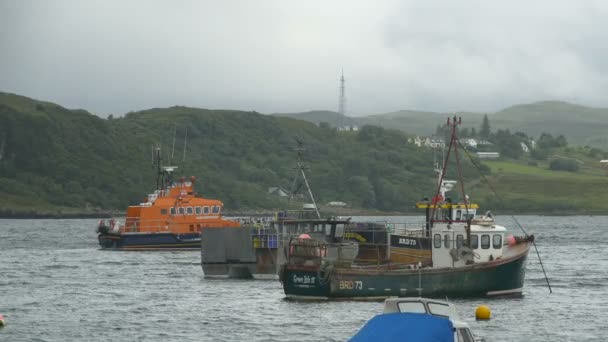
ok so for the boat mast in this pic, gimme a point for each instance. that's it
(300, 171)
(452, 124)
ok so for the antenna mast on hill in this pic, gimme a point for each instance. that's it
(341, 103)
(300, 171)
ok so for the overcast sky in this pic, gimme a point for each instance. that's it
(286, 56)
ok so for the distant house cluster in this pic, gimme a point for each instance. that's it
(347, 128)
(472, 143)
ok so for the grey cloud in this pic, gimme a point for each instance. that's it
(284, 56)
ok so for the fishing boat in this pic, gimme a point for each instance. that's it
(172, 217)
(416, 319)
(257, 250)
(460, 254)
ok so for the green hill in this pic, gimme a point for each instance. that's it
(583, 126)
(57, 160)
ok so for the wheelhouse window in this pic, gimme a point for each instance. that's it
(414, 307)
(172, 211)
(497, 241)
(446, 241)
(163, 211)
(459, 240)
(180, 210)
(458, 215)
(437, 241)
(205, 210)
(485, 241)
(339, 230)
(189, 211)
(198, 210)
(439, 309)
(216, 209)
(474, 241)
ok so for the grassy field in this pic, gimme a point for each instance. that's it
(527, 188)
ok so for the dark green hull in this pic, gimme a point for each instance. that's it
(499, 277)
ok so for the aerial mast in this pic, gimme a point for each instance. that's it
(341, 103)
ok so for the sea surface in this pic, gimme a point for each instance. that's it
(57, 285)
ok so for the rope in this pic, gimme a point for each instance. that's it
(512, 216)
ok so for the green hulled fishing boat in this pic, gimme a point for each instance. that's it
(456, 253)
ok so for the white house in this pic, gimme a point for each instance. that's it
(336, 204)
(524, 147)
(469, 142)
(487, 155)
(277, 191)
(433, 142)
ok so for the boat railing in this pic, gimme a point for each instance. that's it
(347, 253)
(132, 225)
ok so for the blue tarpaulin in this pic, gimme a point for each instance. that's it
(406, 327)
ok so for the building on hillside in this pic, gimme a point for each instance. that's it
(524, 147)
(337, 204)
(278, 191)
(483, 142)
(416, 141)
(487, 155)
(352, 128)
(433, 142)
(470, 142)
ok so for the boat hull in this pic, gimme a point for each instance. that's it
(499, 277)
(150, 241)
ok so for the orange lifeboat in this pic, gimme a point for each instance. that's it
(171, 217)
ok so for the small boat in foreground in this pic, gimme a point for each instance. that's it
(460, 254)
(416, 319)
(170, 218)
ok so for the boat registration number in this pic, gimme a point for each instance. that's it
(407, 242)
(351, 285)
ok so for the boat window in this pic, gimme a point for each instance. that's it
(216, 209)
(163, 211)
(197, 210)
(413, 307)
(205, 210)
(464, 335)
(189, 210)
(446, 241)
(485, 241)
(497, 241)
(459, 240)
(439, 309)
(437, 240)
(458, 215)
(339, 230)
(180, 210)
(474, 242)
(172, 211)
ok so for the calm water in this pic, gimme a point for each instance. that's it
(56, 285)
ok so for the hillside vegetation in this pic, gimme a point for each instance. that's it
(60, 161)
(582, 126)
